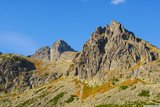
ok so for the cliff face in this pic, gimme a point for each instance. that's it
(113, 48)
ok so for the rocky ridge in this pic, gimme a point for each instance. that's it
(42, 54)
(55, 52)
(114, 67)
(58, 48)
(113, 48)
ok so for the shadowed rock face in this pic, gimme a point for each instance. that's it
(42, 54)
(12, 67)
(58, 48)
(113, 48)
(0, 53)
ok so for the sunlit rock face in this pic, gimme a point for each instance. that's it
(113, 48)
(58, 48)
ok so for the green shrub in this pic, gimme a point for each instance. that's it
(26, 103)
(71, 99)
(114, 81)
(54, 101)
(144, 93)
(109, 97)
(123, 87)
(43, 94)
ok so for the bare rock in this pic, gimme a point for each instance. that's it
(42, 54)
(58, 48)
(69, 55)
(12, 67)
(113, 48)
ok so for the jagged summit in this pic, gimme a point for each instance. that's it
(54, 53)
(58, 48)
(59, 42)
(114, 27)
(113, 48)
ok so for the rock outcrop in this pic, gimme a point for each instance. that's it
(14, 70)
(113, 48)
(0, 53)
(58, 48)
(42, 54)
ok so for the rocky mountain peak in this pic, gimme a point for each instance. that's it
(58, 48)
(55, 52)
(116, 27)
(113, 48)
(60, 42)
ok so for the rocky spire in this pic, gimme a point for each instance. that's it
(116, 27)
(58, 48)
(113, 48)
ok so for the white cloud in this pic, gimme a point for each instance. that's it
(116, 2)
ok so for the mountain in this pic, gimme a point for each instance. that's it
(115, 68)
(115, 49)
(59, 49)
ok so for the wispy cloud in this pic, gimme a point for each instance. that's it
(116, 2)
(17, 43)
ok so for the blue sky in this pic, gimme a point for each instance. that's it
(26, 25)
